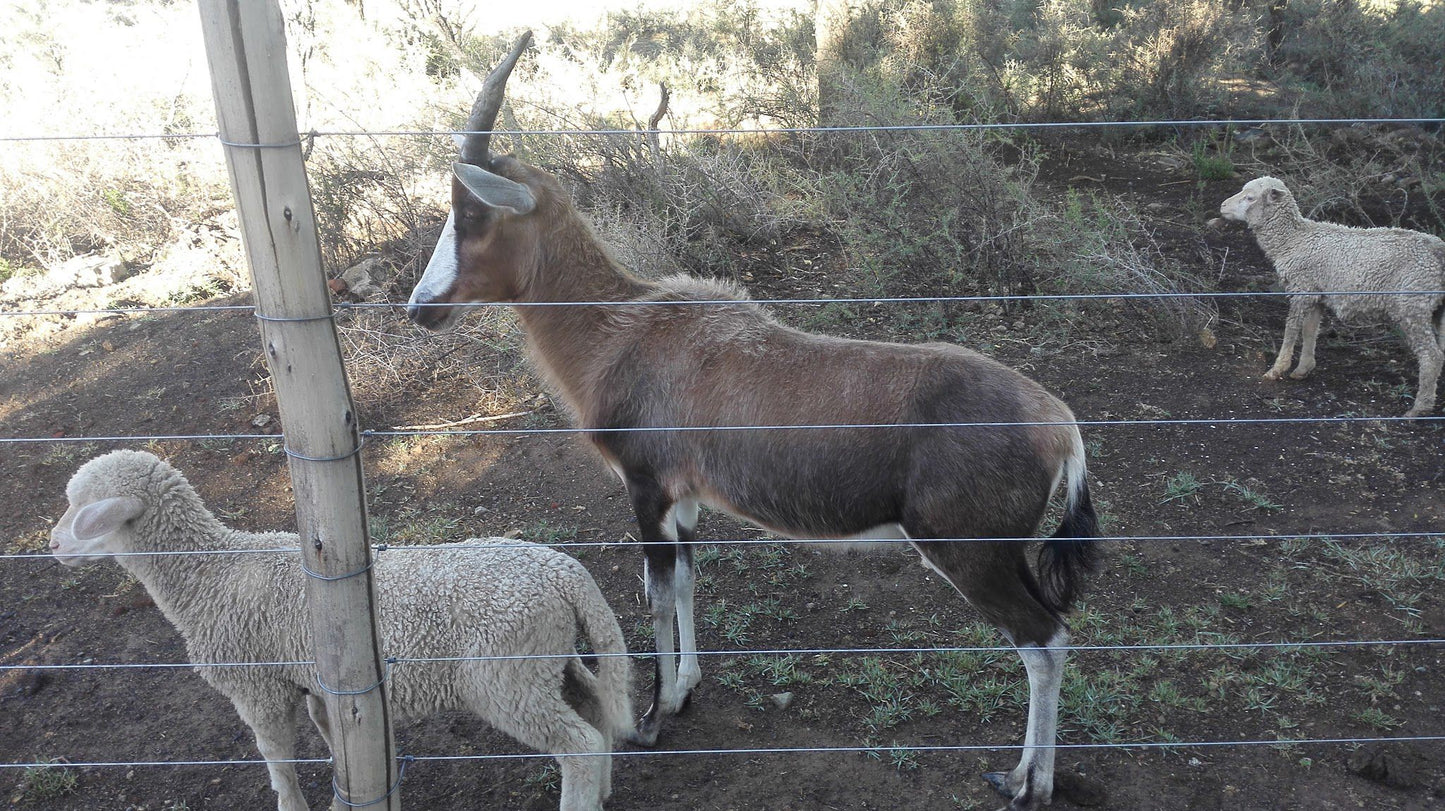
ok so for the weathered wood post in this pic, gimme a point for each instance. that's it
(246, 48)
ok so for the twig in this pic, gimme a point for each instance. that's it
(475, 418)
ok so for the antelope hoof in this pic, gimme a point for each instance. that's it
(646, 733)
(999, 781)
(1026, 800)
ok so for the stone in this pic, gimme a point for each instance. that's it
(89, 270)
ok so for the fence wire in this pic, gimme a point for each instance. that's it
(502, 543)
(1287, 647)
(1079, 649)
(781, 750)
(388, 305)
(861, 128)
(370, 434)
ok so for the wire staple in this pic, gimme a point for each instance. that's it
(400, 775)
(303, 457)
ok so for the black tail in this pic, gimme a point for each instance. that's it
(1071, 552)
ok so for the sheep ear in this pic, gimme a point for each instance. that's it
(104, 517)
(1275, 195)
(495, 190)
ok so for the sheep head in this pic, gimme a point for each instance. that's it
(1255, 200)
(106, 496)
(498, 205)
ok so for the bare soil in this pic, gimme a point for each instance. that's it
(201, 373)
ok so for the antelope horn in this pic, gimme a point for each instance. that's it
(476, 146)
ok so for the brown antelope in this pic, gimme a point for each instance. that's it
(630, 365)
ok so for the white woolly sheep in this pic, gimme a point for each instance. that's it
(1318, 257)
(487, 598)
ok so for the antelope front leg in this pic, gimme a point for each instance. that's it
(689, 673)
(1292, 323)
(660, 564)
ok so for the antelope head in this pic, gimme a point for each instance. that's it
(490, 237)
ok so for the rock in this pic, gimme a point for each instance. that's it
(1079, 790)
(90, 270)
(781, 700)
(1396, 768)
(337, 286)
(261, 420)
(364, 278)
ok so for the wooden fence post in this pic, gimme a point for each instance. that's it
(246, 49)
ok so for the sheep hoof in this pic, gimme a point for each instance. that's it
(1298, 375)
(1272, 375)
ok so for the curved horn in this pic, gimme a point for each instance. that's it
(476, 147)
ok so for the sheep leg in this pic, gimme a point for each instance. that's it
(659, 574)
(1297, 307)
(689, 673)
(316, 708)
(538, 715)
(1311, 330)
(1430, 355)
(275, 731)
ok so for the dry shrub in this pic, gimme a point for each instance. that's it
(958, 213)
(1171, 52)
(374, 192)
(1364, 175)
(386, 354)
(1347, 58)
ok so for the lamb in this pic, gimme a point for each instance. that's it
(1317, 257)
(479, 598)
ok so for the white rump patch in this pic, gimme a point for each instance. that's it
(875, 539)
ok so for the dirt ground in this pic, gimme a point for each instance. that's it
(200, 373)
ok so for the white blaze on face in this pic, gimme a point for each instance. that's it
(441, 271)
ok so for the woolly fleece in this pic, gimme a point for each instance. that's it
(479, 598)
(1315, 257)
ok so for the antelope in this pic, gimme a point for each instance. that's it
(939, 447)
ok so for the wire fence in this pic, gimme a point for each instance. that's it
(1206, 643)
(1292, 646)
(789, 750)
(773, 541)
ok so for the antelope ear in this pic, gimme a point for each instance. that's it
(104, 517)
(495, 190)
